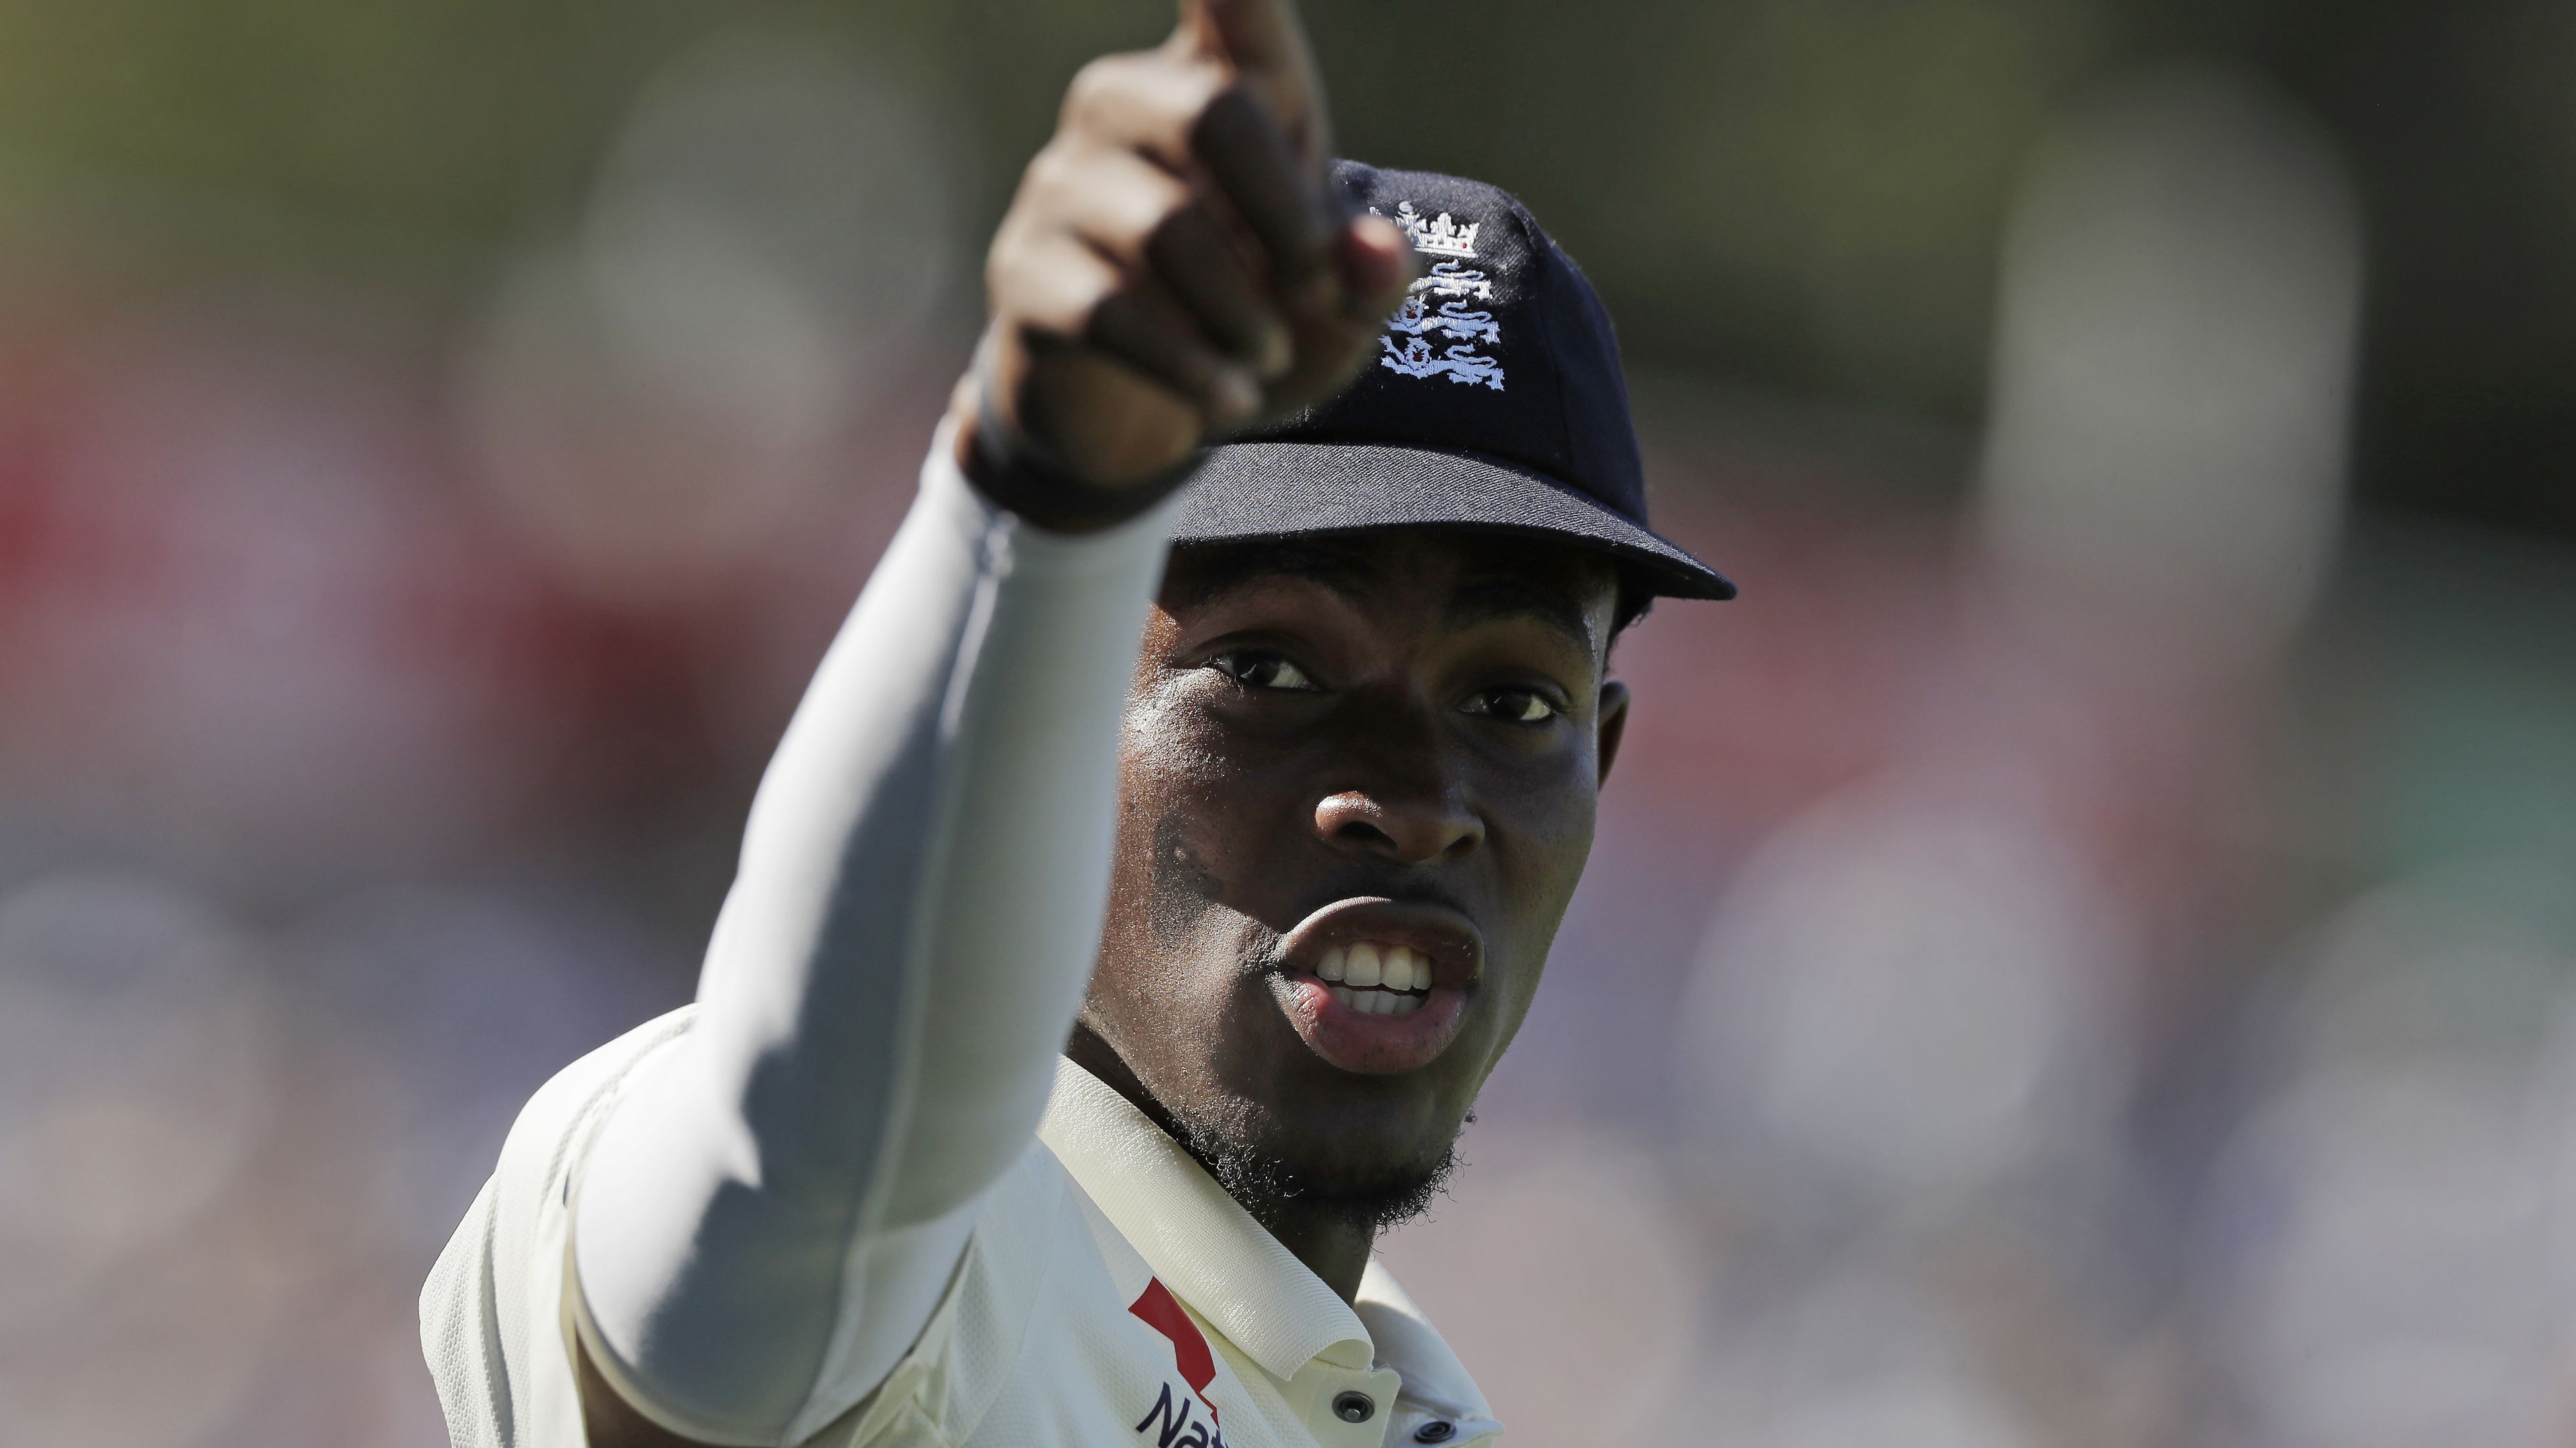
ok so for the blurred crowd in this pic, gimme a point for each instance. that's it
(2082, 953)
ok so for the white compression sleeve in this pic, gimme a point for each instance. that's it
(773, 1209)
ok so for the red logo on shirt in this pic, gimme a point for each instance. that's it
(1163, 1313)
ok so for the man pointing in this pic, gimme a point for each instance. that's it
(1152, 873)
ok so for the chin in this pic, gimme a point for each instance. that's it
(1288, 1175)
(1356, 1151)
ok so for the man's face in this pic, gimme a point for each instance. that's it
(1383, 744)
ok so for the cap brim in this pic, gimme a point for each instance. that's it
(1247, 490)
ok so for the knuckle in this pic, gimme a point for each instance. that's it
(1163, 204)
(1049, 291)
(1006, 281)
(1053, 172)
(1096, 88)
(1129, 209)
(1091, 293)
(1004, 261)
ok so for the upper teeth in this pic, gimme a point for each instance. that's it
(1369, 963)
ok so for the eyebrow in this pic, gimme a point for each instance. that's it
(1482, 598)
(1495, 596)
(1254, 564)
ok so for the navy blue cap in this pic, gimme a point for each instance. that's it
(1495, 400)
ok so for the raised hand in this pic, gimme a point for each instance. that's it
(1175, 265)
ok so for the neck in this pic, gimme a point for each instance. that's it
(1333, 1245)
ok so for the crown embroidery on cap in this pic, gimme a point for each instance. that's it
(1453, 285)
(1441, 237)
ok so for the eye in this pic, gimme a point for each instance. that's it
(1513, 706)
(1262, 669)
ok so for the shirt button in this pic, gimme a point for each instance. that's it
(1354, 1407)
(1438, 1430)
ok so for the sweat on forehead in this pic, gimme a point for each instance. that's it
(1497, 571)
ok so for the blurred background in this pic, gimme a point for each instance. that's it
(2083, 952)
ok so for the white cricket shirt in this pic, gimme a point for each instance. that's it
(1111, 1294)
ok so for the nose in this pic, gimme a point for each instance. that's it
(1410, 827)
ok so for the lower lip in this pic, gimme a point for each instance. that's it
(1366, 1044)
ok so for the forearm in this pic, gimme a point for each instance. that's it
(777, 1203)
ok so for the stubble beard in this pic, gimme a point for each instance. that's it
(1289, 1200)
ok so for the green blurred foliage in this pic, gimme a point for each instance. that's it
(1791, 194)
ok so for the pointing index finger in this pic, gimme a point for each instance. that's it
(1253, 36)
(1264, 139)
(1263, 44)
(1279, 198)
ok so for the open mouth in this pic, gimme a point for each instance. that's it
(1376, 978)
(1380, 986)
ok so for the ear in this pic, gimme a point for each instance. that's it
(1613, 717)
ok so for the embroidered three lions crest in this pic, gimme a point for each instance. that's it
(1436, 332)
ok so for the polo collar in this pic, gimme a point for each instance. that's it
(1201, 1242)
(1435, 1382)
